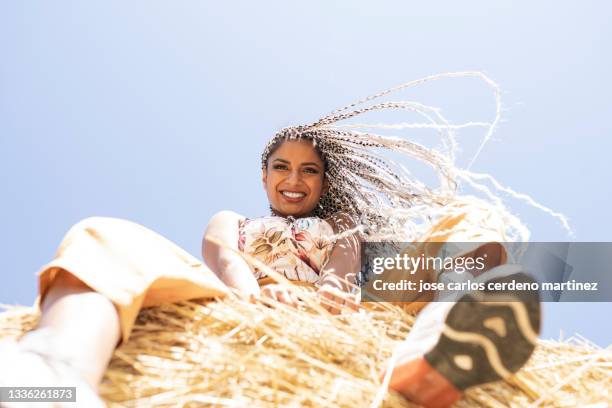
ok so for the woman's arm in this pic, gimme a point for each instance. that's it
(339, 274)
(345, 259)
(228, 265)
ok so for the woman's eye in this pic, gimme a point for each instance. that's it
(311, 170)
(279, 167)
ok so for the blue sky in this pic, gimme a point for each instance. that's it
(157, 111)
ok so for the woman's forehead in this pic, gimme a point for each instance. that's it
(297, 151)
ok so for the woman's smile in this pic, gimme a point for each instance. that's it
(293, 196)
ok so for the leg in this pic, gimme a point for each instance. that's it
(484, 336)
(71, 346)
(104, 272)
(87, 342)
(127, 266)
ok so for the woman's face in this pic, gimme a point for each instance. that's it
(294, 179)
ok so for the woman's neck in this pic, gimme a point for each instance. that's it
(277, 214)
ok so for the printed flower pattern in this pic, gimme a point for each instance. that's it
(298, 249)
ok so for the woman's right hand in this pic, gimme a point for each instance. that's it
(280, 294)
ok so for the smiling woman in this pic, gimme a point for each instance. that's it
(294, 178)
(329, 187)
(295, 241)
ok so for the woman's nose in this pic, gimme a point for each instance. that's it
(294, 177)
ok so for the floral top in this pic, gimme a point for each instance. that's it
(297, 248)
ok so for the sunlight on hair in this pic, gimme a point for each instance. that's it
(386, 201)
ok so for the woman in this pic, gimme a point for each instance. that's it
(293, 241)
(111, 268)
(327, 190)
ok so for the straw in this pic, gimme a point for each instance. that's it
(235, 353)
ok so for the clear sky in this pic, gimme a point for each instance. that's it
(157, 111)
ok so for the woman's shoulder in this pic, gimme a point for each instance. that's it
(225, 217)
(342, 221)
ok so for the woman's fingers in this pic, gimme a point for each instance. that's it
(269, 292)
(284, 296)
(280, 294)
(353, 302)
(249, 296)
(336, 301)
(327, 300)
(332, 299)
(274, 292)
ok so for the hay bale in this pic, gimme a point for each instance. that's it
(233, 353)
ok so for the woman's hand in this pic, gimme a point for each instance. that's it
(279, 293)
(337, 301)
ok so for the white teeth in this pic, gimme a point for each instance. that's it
(291, 194)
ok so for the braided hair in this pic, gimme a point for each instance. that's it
(383, 198)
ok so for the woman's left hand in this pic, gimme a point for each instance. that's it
(279, 293)
(337, 301)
